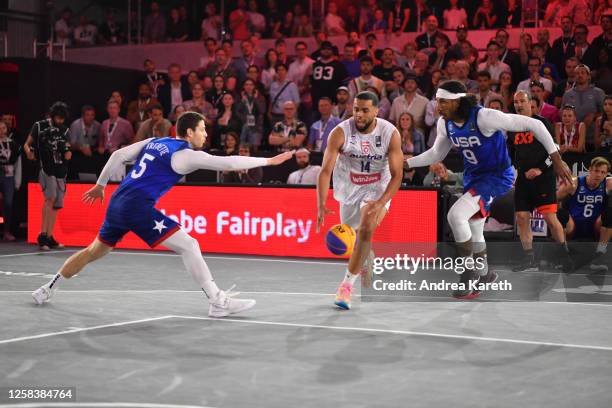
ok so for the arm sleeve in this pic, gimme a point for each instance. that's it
(490, 120)
(118, 158)
(187, 161)
(438, 151)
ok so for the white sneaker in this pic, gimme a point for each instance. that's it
(225, 305)
(42, 294)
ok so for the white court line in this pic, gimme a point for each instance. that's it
(98, 405)
(84, 329)
(404, 332)
(38, 253)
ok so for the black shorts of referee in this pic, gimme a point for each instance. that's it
(539, 193)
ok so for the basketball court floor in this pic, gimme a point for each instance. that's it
(132, 331)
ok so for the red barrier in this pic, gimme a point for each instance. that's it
(242, 220)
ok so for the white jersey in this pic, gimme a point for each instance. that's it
(362, 168)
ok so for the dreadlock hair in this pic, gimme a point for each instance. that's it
(466, 103)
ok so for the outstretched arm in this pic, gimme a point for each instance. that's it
(438, 151)
(187, 161)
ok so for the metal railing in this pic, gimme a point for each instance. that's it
(49, 48)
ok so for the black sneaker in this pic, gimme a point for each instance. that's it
(43, 242)
(490, 277)
(528, 264)
(465, 278)
(53, 243)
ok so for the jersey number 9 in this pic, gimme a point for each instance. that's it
(469, 156)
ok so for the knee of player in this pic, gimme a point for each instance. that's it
(50, 200)
(455, 217)
(522, 217)
(193, 244)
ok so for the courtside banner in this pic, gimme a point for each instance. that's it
(241, 220)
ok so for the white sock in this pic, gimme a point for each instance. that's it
(54, 281)
(350, 278)
(602, 247)
(189, 250)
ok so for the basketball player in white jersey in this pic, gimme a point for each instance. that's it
(365, 155)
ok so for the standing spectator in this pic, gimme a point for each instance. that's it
(251, 176)
(281, 91)
(384, 70)
(136, 110)
(303, 26)
(506, 90)
(604, 40)
(507, 56)
(63, 28)
(485, 93)
(366, 79)
(379, 25)
(247, 59)
(115, 132)
(177, 29)
(334, 24)
(298, 73)
(585, 53)
(49, 140)
(426, 40)
(212, 23)
(410, 102)
(570, 133)
(214, 95)
(251, 110)
(602, 77)
(268, 74)
(384, 106)
(603, 128)
(9, 153)
(343, 109)
(602, 9)
(421, 71)
(514, 14)
(587, 99)
(227, 120)
(462, 70)
(550, 112)
(175, 91)
(307, 174)
(399, 16)
(117, 96)
(273, 18)
(350, 61)
(327, 74)
(557, 9)
(440, 58)
(239, 22)
(367, 15)
(155, 126)
(320, 130)
(454, 16)
(543, 37)
(84, 133)
(257, 21)
(534, 67)
(184, 18)
(199, 102)
(462, 35)
(253, 73)
(192, 78)
(492, 64)
(280, 46)
(85, 33)
(154, 78)
(394, 88)
(222, 65)
(371, 49)
(210, 45)
(485, 16)
(110, 32)
(564, 47)
(547, 69)
(568, 83)
(289, 133)
(413, 141)
(155, 25)
(352, 18)
(407, 59)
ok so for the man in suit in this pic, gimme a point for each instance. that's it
(175, 91)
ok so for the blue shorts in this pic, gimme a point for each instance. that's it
(489, 187)
(141, 218)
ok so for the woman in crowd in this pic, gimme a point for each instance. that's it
(230, 146)
(506, 90)
(215, 95)
(251, 110)
(227, 120)
(569, 132)
(268, 74)
(413, 141)
(603, 128)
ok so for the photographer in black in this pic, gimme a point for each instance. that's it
(48, 142)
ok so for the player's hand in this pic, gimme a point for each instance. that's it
(30, 155)
(93, 194)
(373, 207)
(280, 158)
(563, 172)
(321, 213)
(532, 173)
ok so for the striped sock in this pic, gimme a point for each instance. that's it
(55, 280)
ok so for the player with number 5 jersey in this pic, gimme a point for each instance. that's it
(477, 133)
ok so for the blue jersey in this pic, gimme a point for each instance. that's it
(482, 155)
(586, 204)
(152, 175)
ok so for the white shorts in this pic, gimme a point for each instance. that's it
(350, 214)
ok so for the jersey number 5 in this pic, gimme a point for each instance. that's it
(142, 165)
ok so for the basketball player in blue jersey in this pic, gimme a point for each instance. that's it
(477, 133)
(160, 163)
(590, 206)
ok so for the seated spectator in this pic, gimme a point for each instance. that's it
(115, 132)
(248, 58)
(251, 176)
(399, 16)
(550, 112)
(273, 18)
(384, 106)
(557, 9)
(413, 141)
(175, 91)
(281, 90)
(492, 64)
(485, 93)
(515, 13)
(506, 90)
(116, 95)
(154, 25)
(199, 101)
(564, 46)
(268, 74)
(303, 26)
(253, 73)
(585, 52)
(231, 86)
(136, 110)
(439, 175)
(384, 70)
(454, 16)
(9, 153)
(257, 21)
(343, 109)
(210, 45)
(371, 49)
(365, 79)
(155, 126)
(534, 76)
(352, 18)
(354, 38)
(177, 112)
(603, 9)
(227, 121)
(350, 61)
(485, 16)
(602, 77)
(280, 46)
(230, 145)
(84, 132)
(192, 78)
(407, 58)
(570, 133)
(290, 133)
(603, 39)
(410, 102)
(85, 33)
(462, 71)
(568, 83)
(306, 174)
(320, 130)
(547, 69)
(427, 39)
(177, 30)
(285, 28)
(63, 28)
(603, 128)
(110, 32)
(214, 95)
(367, 15)
(525, 46)
(508, 56)
(251, 110)
(394, 88)
(300, 67)
(379, 25)
(222, 65)
(239, 21)
(442, 55)
(334, 24)
(411, 177)
(154, 78)
(496, 104)
(212, 23)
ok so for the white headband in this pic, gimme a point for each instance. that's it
(444, 94)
